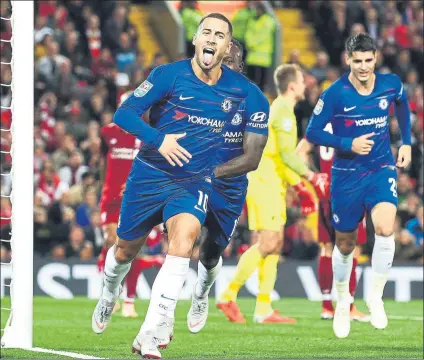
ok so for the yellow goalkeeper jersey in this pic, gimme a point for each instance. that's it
(282, 138)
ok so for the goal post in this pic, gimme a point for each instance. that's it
(18, 332)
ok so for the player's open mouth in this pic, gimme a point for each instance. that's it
(208, 54)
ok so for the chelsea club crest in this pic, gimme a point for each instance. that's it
(226, 105)
(383, 104)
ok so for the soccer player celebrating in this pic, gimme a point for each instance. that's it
(364, 174)
(243, 142)
(170, 181)
(323, 157)
(279, 167)
(120, 148)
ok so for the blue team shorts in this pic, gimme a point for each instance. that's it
(224, 211)
(152, 197)
(354, 194)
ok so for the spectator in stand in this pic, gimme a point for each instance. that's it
(48, 65)
(77, 191)
(191, 17)
(138, 65)
(102, 64)
(405, 247)
(87, 208)
(71, 49)
(417, 170)
(78, 246)
(412, 82)
(61, 156)
(72, 173)
(94, 36)
(416, 228)
(240, 20)
(408, 208)
(125, 55)
(43, 232)
(259, 40)
(321, 67)
(56, 212)
(77, 119)
(114, 27)
(372, 24)
(94, 233)
(49, 183)
(64, 83)
(403, 65)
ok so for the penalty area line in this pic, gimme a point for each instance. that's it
(63, 353)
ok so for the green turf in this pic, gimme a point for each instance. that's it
(66, 325)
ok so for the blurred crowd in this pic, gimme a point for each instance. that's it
(87, 55)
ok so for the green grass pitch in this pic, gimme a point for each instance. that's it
(65, 325)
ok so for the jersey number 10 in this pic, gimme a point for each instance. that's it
(202, 204)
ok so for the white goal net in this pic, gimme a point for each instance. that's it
(17, 274)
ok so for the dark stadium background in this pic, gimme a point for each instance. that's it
(87, 53)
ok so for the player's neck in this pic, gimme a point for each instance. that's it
(289, 98)
(210, 77)
(363, 88)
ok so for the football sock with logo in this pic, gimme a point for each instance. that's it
(382, 258)
(352, 281)
(206, 278)
(267, 277)
(166, 290)
(114, 273)
(246, 266)
(325, 279)
(342, 267)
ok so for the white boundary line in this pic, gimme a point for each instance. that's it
(63, 353)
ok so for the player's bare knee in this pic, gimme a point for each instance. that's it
(126, 251)
(346, 242)
(180, 247)
(384, 229)
(268, 242)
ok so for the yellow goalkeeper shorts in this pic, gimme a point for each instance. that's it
(266, 202)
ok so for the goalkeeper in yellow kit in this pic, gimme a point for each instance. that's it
(280, 166)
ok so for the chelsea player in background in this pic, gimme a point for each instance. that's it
(190, 102)
(363, 173)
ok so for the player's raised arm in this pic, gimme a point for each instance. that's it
(128, 116)
(403, 115)
(255, 136)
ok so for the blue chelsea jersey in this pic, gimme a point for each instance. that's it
(179, 102)
(352, 115)
(247, 119)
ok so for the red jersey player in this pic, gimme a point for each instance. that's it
(120, 148)
(326, 236)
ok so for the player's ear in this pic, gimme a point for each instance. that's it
(230, 43)
(347, 58)
(194, 38)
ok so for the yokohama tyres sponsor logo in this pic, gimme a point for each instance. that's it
(379, 122)
(233, 136)
(217, 124)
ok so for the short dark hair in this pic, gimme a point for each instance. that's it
(220, 17)
(239, 46)
(360, 42)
